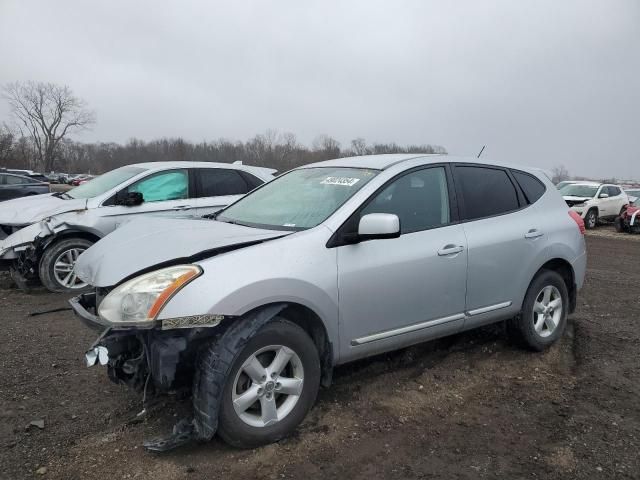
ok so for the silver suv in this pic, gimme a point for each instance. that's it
(326, 264)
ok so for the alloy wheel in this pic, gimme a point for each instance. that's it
(268, 385)
(63, 269)
(547, 311)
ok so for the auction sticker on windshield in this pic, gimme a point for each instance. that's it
(345, 181)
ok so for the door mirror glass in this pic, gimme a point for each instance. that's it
(129, 199)
(378, 226)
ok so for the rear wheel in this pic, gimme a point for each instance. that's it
(544, 312)
(57, 265)
(591, 220)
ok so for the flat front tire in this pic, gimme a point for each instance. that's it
(271, 385)
(543, 317)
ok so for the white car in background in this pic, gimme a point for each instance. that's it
(594, 201)
(41, 236)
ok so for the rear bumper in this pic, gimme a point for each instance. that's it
(84, 307)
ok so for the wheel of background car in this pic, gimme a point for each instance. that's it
(618, 225)
(271, 385)
(591, 220)
(543, 317)
(56, 265)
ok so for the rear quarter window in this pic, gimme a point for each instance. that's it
(532, 188)
(486, 191)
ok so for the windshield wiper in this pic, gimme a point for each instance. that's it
(64, 195)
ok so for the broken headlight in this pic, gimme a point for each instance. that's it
(140, 300)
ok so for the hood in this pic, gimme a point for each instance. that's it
(154, 242)
(32, 209)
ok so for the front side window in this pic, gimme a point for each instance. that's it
(614, 191)
(486, 191)
(420, 199)
(16, 180)
(298, 200)
(163, 186)
(105, 182)
(220, 181)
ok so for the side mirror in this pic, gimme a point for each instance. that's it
(603, 195)
(378, 226)
(129, 199)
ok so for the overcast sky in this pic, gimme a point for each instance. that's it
(541, 83)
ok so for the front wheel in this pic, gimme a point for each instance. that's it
(270, 387)
(591, 220)
(543, 317)
(57, 265)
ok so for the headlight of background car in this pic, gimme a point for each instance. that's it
(139, 300)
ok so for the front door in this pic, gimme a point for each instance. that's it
(164, 194)
(395, 292)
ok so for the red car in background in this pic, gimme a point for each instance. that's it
(629, 219)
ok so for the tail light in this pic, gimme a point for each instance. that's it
(578, 219)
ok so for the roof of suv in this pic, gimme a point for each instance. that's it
(384, 161)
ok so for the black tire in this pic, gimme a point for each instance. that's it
(47, 262)
(231, 428)
(521, 328)
(591, 219)
(618, 225)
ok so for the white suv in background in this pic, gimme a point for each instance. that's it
(594, 201)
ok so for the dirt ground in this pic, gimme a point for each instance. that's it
(471, 406)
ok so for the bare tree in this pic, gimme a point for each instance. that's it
(47, 113)
(359, 146)
(560, 173)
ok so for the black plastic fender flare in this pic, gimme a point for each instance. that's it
(214, 364)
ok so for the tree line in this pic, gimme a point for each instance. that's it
(44, 115)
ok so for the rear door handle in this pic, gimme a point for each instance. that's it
(183, 207)
(450, 250)
(533, 233)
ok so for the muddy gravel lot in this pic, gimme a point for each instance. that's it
(471, 406)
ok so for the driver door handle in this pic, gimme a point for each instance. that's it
(450, 250)
(183, 207)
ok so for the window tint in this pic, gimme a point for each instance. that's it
(614, 191)
(252, 181)
(220, 181)
(486, 191)
(420, 199)
(532, 187)
(170, 185)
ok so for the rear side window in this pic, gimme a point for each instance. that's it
(220, 181)
(252, 181)
(532, 187)
(486, 191)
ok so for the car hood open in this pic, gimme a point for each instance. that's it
(32, 209)
(148, 243)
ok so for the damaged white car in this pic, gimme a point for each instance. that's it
(42, 236)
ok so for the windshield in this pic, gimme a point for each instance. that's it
(574, 190)
(105, 182)
(298, 200)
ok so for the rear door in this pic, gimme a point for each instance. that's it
(503, 241)
(218, 187)
(165, 193)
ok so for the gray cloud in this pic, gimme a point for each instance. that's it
(540, 82)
